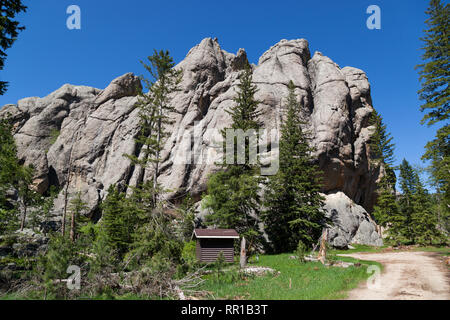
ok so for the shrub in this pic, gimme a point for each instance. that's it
(188, 257)
(54, 134)
(301, 251)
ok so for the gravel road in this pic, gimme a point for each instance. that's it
(406, 275)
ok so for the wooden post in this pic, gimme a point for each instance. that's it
(380, 232)
(243, 258)
(323, 246)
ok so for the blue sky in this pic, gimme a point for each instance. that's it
(115, 35)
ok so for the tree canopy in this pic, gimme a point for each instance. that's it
(9, 30)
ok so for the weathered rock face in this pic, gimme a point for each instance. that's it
(96, 127)
(351, 223)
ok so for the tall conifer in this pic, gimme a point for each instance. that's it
(292, 200)
(233, 194)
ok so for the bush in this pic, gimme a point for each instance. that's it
(189, 258)
(301, 251)
(52, 267)
(54, 134)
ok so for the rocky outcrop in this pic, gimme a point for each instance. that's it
(25, 243)
(95, 128)
(351, 223)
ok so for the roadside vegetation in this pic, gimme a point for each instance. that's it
(295, 280)
(290, 280)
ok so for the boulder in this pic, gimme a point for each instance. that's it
(351, 223)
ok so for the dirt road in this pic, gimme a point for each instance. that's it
(406, 276)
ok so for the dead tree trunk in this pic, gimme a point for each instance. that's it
(323, 246)
(158, 147)
(243, 257)
(379, 230)
(24, 217)
(72, 227)
(66, 195)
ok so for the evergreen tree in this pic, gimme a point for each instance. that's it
(9, 167)
(233, 194)
(386, 209)
(154, 242)
(52, 267)
(9, 30)
(292, 200)
(434, 72)
(417, 221)
(244, 113)
(233, 200)
(424, 219)
(434, 76)
(9, 164)
(77, 208)
(14, 178)
(106, 259)
(28, 196)
(118, 221)
(154, 107)
(46, 207)
(381, 141)
(438, 152)
(408, 181)
(186, 219)
(382, 154)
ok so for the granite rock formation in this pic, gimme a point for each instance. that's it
(76, 137)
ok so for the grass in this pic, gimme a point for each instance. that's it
(359, 248)
(296, 281)
(445, 251)
(40, 296)
(364, 248)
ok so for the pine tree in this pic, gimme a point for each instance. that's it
(28, 196)
(434, 72)
(386, 209)
(118, 221)
(154, 241)
(9, 167)
(9, 30)
(416, 220)
(408, 184)
(77, 208)
(434, 76)
(438, 152)
(233, 194)
(14, 177)
(233, 200)
(244, 113)
(9, 164)
(292, 200)
(381, 141)
(154, 107)
(424, 219)
(186, 218)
